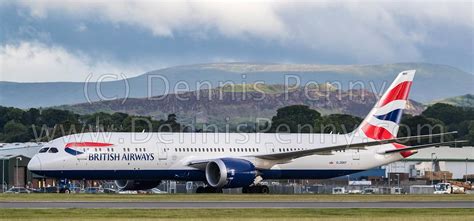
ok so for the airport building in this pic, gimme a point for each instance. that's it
(14, 161)
(459, 162)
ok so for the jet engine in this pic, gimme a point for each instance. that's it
(230, 173)
(137, 184)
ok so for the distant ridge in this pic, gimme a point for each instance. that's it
(432, 82)
(462, 101)
(220, 106)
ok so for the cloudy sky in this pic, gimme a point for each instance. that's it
(67, 40)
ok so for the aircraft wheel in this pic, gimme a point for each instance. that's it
(210, 189)
(200, 189)
(256, 189)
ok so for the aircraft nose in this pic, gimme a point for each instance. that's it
(34, 164)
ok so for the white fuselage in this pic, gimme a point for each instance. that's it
(165, 156)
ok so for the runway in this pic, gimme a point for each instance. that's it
(238, 204)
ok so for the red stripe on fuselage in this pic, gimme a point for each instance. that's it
(399, 92)
(88, 144)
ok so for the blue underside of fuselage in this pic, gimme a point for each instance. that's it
(188, 175)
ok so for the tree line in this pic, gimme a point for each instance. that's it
(437, 118)
(17, 125)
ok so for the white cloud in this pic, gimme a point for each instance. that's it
(382, 30)
(162, 18)
(361, 32)
(36, 62)
(81, 27)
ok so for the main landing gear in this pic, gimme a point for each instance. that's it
(256, 189)
(208, 189)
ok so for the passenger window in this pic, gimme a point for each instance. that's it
(53, 150)
(44, 150)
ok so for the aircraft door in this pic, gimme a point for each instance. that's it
(356, 155)
(81, 154)
(270, 148)
(163, 150)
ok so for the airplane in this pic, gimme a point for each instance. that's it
(140, 161)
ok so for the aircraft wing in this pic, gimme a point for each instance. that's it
(198, 164)
(327, 150)
(201, 164)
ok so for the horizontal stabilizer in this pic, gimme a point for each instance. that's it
(421, 137)
(422, 146)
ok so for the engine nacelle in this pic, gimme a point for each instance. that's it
(137, 184)
(230, 173)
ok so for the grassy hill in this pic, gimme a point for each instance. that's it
(244, 104)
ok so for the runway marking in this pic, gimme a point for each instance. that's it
(240, 204)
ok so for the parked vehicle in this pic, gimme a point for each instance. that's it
(51, 189)
(370, 190)
(17, 190)
(448, 188)
(93, 190)
(354, 191)
(338, 190)
(109, 190)
(75, 190)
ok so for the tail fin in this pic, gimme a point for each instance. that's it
(382, 121)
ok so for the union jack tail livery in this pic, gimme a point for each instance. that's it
(382, 121)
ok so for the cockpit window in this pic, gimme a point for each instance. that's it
(53, 150)
(44, 150)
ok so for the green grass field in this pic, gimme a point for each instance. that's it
(230, 197)
(234, 214)
(238, 214)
